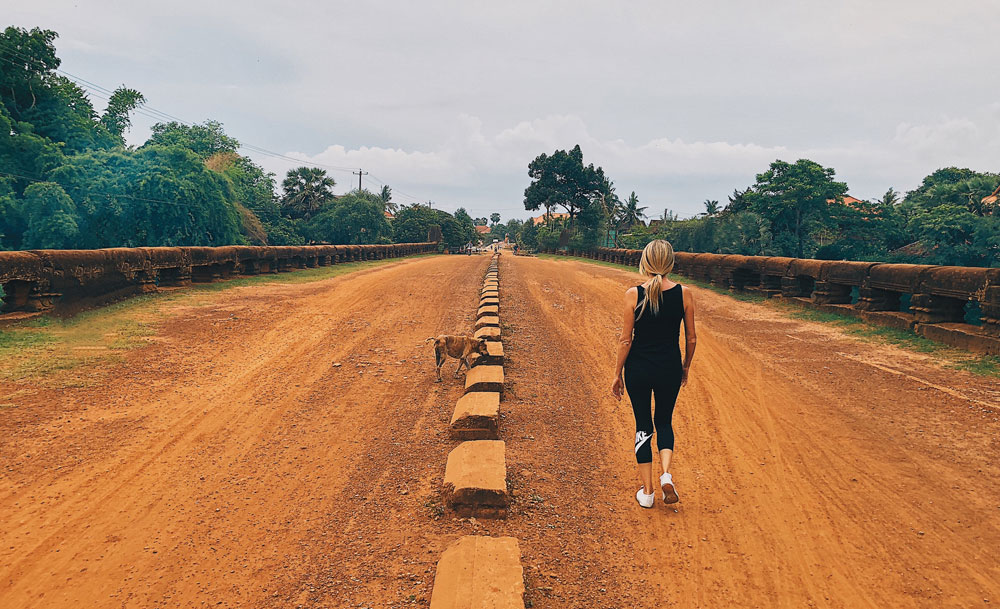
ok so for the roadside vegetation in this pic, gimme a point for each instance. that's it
(68, 180)
(792, 209)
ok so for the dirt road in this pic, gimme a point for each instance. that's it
(284, 447)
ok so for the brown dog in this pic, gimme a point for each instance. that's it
(456, 346)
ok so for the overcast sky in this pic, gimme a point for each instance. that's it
(450, 101)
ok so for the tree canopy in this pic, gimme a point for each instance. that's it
(562, 180)
(68, 180)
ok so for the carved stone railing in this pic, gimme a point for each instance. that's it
(930, 300)
(46, 280)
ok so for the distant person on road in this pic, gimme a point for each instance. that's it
(649, 354)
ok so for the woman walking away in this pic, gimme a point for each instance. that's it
(649, 354)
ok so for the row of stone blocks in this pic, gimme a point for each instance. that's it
(37, 281)
(938, 296)
(479, 571)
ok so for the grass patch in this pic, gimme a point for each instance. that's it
(48, 347)
(983, 365)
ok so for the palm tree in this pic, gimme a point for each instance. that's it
(631, 213)
(711, 207)
(386, 196)
(495, 218)
(890, 198)
(307, 190)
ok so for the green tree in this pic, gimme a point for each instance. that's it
(306, 191)
(794, 199)
(631, 213)
(386, 196)
(529, 235)
(51, 218)
(352, 219)
(465, 223)
(738, 201)
(562, 180)
(205, 139)
(953, 186)
(42, 102)
(711, 207)
(890, 198)
(117, 118)
(495, 218)
(948, 232)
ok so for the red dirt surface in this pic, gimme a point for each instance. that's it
(234, 463)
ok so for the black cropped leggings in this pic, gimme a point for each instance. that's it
(642, 382)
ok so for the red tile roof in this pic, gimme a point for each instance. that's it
(540, 219)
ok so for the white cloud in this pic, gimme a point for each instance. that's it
(450, 100)
(495, 163)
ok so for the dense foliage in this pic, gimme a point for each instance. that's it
(68, 180)
(792, 209)
(561, 180)
(944, 221)
(416, 223)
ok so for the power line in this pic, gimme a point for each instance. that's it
(359, 173)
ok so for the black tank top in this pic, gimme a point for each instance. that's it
(655, 337)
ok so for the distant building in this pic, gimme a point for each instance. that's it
(389, 216)
(541, 219)
(482, 230)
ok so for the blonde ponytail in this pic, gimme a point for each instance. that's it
(657, 260)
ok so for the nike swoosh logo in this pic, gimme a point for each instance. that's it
(641, 438)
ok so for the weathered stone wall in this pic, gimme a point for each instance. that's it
(937, 295)
(46, 280)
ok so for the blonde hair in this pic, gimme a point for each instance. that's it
(657, 260)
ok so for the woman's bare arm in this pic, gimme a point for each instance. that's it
(690, 336)
(625, 340)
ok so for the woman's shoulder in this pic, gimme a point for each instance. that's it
(686, 293)
(632, 295)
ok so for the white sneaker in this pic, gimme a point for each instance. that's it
(667, 486)
(645, 500)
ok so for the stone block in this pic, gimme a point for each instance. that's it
(475, 479)
(484, 378)
(488, 321)
(963, 336)
(476, 416)
(489, 333)
(479, 572)
(488, 309)
(493, 357)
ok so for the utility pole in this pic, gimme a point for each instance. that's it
(430, 204)
(359, 173)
